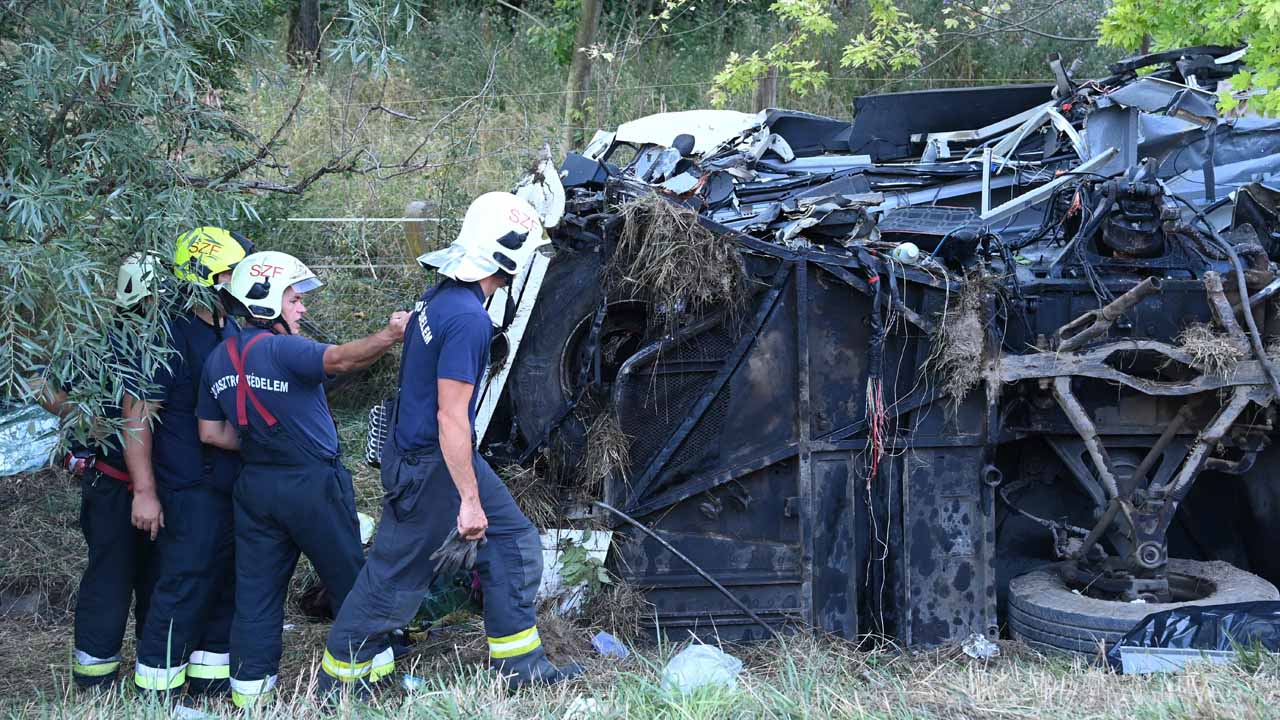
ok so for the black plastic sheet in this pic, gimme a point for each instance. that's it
(1205, 627)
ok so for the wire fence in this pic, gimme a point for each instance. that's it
(619, 89)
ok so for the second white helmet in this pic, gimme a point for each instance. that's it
(500, 233)
(136, 279)
(259, 281)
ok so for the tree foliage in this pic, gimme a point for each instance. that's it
(1178, 23)
(893, 40)
(120, 131)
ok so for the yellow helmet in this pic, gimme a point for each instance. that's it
(205, 252)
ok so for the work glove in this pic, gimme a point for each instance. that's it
(454, 555)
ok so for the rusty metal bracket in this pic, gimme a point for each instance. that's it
(1079, 418)
(1095, 323)
(1032, 366)
(1223, 314)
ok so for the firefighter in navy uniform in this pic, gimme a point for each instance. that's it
(187, 634)
(262, 393)
(118, 520)
(436, 483)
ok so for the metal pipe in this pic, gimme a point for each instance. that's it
(1104, 523)
(1101, 320)
(694, 566)
(1173, 428)
(1079, 418)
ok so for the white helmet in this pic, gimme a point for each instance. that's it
(136, 279)
(500, 233)
(258, 282)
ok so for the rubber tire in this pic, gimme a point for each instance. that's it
(1047, 615)
(570, 293)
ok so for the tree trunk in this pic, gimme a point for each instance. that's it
(304, 32)
(767, 89)
(579, 70)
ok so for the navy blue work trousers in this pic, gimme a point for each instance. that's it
(115, 578)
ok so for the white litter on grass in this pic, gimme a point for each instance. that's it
(699, 666)
(366, 528)
(583, 708)
(414, 684)
(978, 647)
(1138, 601)
(597, 545)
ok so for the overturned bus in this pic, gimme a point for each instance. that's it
(980, 360)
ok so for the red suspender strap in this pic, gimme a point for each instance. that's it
(242, 383)
(111, 472)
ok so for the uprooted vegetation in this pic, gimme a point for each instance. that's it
(1211, 350)
(668, 258)
(956, 359)
(607, 452)
(534, 495)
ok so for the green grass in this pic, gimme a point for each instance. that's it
(802, 677)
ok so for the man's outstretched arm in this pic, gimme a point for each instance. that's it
(359, 354)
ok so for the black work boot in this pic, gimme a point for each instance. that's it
(535, 669)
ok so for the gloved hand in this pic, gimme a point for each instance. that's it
(454, 555)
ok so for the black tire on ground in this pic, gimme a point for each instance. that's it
(570, 292)
(1048, 615)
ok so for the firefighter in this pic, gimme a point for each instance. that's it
(187, 633)
(119, 511)
(262, 393)
(436, 482)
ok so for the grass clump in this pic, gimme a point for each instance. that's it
(664, 256)
(536, 497)
(959, 340)
(1209, 349)
(608, 451)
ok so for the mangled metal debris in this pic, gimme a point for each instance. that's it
(864, 444)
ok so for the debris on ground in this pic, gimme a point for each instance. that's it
(699, 666)
(609, 646)
(583, 708)
(1170, 640)
(619, 609)
(978, 647)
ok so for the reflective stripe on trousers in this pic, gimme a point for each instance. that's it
(374, 669)
(509, 646)
(154, 678)
(205, 665)
(247, 692)
(89, 666)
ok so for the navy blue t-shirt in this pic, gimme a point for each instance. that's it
(109, 450)
(177, 456)
(286, 373)
(447, 337)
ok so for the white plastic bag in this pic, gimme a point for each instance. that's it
(699, 666)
